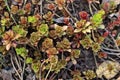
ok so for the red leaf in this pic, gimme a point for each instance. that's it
(83, 15)
(105, 34)
(102, 55)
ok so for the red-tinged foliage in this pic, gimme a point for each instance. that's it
(19, 1)
(28, 7)
(114, 23)
(106, 6)
(50, 36)
(83, 15)
(114, 33)
(102, 55)
(70, 1)
(66, 20)
(60, 2)
(51, 6)
(105, 34)
(23, 20)
(38, 16)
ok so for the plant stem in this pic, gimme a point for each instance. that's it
(40, 74)
(9, 11)
(108, 49)
(23, 70)
(111, 53)
(16, 60)
(11, 58)
(41, 7)
(70, 14)
(48, 72)
(90, 9)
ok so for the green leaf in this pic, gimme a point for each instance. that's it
(32, 19)
(86, 42)
(89, 74)
(96, 47)
(18, 30)
(21, 51)
(3, 22)
(28, 60)
(43, 29)
(97, 18)
(75, 53)
(2, 29)
(36, 66)
(35, 36)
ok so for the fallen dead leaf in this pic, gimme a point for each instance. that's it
(108, 68)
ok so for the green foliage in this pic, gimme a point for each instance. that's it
(89, 74)
(29, 60)
(2, 29)
(59, 31)
(95, 47)
(64, 44)
(35, 37)
(36, 66)
(19, 30)
(86, 42)
(3, 22)
(61, 64)
(77, 77)
(43, 29)
(47, 43)
(53, 59)
(32, 19)
(75, 53)
(97, 18)
(22, 52)
(52, 44)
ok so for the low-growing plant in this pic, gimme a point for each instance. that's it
(47, 40)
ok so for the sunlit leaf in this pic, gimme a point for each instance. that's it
(31, 19)
(98, 18)
(86, 42)
(75, 53)
(35, 37)
(47, 43)
(21, 51)
(43, 29)
(89, 74)
(95, 47)
(19, 30)
(36, 66)
(28, 60)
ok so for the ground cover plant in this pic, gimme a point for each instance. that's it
(59, 39)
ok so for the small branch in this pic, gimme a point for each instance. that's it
(94, 7)
(48, 72)
(95, 60)
(51, 77)
(93, 36)
(110, 53)
(14, 66)
(90, 9)
(16, 60)
(23, 70)
(114, 42)
(70, 14)
(41, 70)
(111, 50)
(24, 3)
(41, 6)
(10, 12)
